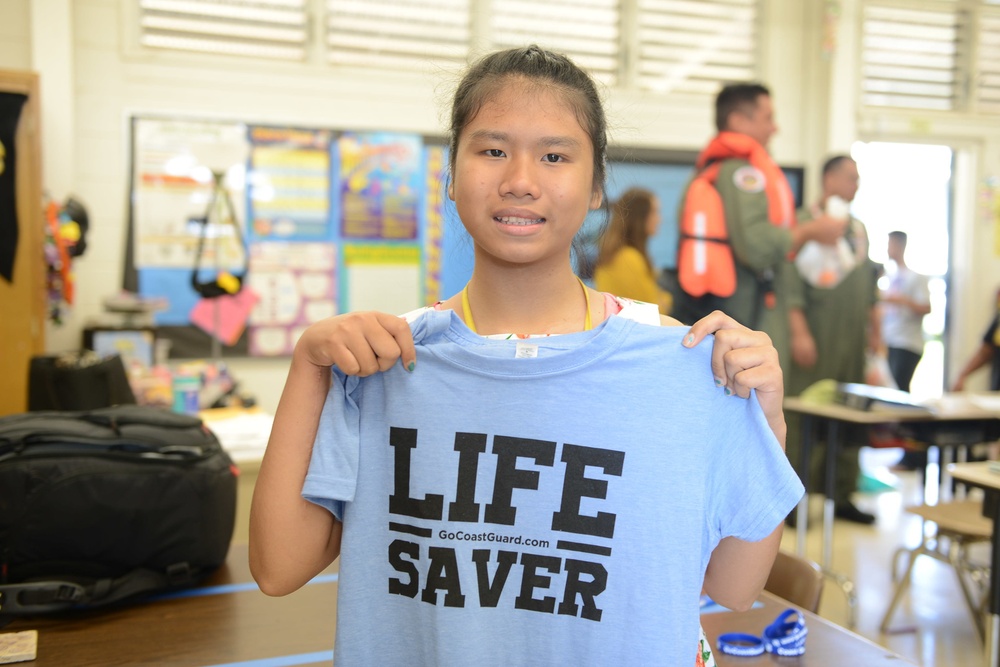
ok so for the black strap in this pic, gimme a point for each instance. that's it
(43, 597)
(212, 289)
(710, 239)
(764, 298)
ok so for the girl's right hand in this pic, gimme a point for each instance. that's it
(361, 343)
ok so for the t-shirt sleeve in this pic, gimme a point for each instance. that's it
(922, 290)
(752, 486)
(791, 283)
(333, 468)
(756, 242)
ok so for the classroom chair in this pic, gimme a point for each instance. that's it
(796, 579)
(959, 524)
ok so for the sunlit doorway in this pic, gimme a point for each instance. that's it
(908, 187)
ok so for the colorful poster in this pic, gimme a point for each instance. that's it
(437, 164)
(380, 185)
(296, 286)
(289, 184)
(383, 277)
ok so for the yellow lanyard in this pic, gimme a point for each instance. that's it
(587, 323)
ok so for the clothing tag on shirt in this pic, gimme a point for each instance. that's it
(526, 351)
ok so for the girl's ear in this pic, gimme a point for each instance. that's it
(451, 189)
(595, 199)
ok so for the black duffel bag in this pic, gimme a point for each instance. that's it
(106, 505)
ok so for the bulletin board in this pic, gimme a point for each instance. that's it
(328, 221)
(323, 221)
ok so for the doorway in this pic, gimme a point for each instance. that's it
(908, 187)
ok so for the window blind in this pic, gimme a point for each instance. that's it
(988, 63)
(276, 29)
(398, 34)
(912, 58)
(588, 31)
(695, 46)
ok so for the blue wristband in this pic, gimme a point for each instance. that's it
(740, 644)
(784, 637)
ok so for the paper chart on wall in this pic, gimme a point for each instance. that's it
(290, 184)
(382, 277)
(297, 286)
(173, 165)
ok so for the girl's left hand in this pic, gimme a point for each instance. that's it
(744, 359)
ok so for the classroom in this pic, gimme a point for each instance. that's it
(292, 158)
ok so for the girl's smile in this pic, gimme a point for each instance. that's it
(519, 221)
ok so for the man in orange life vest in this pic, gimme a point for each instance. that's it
(760, 233)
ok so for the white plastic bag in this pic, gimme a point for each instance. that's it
(824, 265)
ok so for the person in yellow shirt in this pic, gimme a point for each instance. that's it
(623, 264)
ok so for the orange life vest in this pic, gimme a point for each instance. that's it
(705, 263)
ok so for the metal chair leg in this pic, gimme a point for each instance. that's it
(846, 586)
(902, 584)
(957, 558)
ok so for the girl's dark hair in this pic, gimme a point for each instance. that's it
(628, 226)
(534, 64)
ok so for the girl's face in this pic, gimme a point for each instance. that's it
(523, 178)
(653, 221)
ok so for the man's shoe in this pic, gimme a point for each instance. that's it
(848, 512)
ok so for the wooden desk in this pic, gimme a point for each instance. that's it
(230, 621)
(970, 422)
(827, 645)
(979, 475)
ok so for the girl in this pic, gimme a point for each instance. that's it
(623, 264)
(542, 498)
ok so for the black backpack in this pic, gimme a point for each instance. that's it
(102, 506)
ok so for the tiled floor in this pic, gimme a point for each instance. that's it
(932, 626)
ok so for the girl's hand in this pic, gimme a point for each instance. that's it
(361, 343)
(744, 359)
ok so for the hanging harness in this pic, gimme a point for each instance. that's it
(224, 283)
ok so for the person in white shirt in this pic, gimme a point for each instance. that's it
(904, 305)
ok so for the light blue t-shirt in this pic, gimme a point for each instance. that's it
(551, 501)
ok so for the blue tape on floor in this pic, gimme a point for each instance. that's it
(284, 661)
(235, 588)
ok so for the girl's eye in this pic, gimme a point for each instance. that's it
(552, 157)
(494, 152)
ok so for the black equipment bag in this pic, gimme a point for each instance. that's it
(106, 505)
(77, 381)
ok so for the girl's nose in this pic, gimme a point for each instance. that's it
(520, 178)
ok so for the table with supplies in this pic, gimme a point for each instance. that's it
(950, 421)
(826, 644)
(229, 621)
